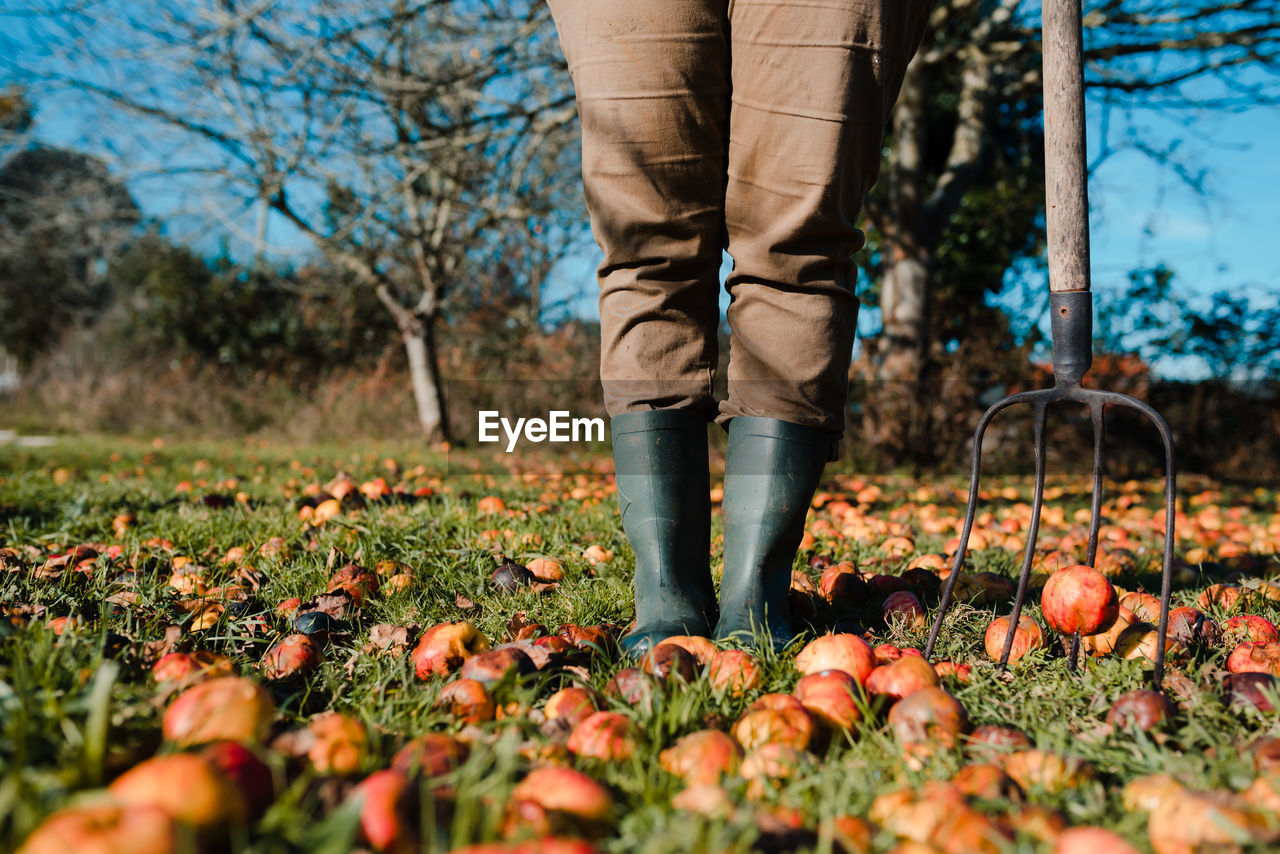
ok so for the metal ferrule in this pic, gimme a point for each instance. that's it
(1072, 313)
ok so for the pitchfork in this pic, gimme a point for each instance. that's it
(1071, 306)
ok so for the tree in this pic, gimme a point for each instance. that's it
(62, 217)
(965, 144)
(417, 144)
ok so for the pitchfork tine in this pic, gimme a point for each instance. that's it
(975, 468)
(1095, 500)
(1033, 532)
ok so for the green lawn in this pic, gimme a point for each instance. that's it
(79, 708)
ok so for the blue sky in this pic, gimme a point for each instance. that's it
(1142, 213)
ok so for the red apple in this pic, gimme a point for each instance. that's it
(490, 667)
(1091, 840)
(1255, 658)
(573, 704)
(359, 583)
(589, 638)
(225, 709)
(702, 757)
(1141, 708)
(1248, 627)
(734, 671)
(387, 807)
(187, 787)
(1079, 599)
(667, 660)
(903, 607)
(294, 656)
(245, 770)
(339, 743)
(1027, 637)
(764, 726)
(773, 760)
(846, 652)
(988, 782)
(842, 585)
(991, 738)
(108, 829)
(631, 686)
(1104, 642)
(1250, 690)
(443, 648)
(610, 736)
(431, 755)
(708, 800)
(468, 700)
(900, 678)
(570, 799)
(190, 667)
(830, 696)
(951, 670)
(702, 649)
(1053, 772)
(929, 715)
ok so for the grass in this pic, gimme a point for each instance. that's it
(79, 708)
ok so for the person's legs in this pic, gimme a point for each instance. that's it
(652, 85)
(813, 83)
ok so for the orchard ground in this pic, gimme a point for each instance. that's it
(116, 553)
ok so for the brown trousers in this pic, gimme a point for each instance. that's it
(748, 125)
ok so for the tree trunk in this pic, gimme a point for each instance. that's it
(418, 331)
(424, 375)
(904, 299)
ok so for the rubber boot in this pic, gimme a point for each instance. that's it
(772, 469)
(664, 486)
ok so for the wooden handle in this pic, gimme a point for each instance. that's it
(1066, 176)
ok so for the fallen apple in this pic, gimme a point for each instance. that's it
(444, 648)
(574, 705)
(296, 655)
(903, 608)
(1249, 627)
(1079, 599)
(1104, 642)
(987, 781)
(1053, 772)
(793, 727)
(897, 679)
(250, 775)
(108, 829)
(339, 743)
(1255, 658)
(734, 671)
(702, 757)
(1027, 638)
(928, 716)
(187, 787)
(1141, 708)
(570, 800)
(387, 808)
(609, 736)
(1091, 840)
(831, 697)
(665, 661)
(429, 756)
(846, 652)
(490, 667)
(229, 708)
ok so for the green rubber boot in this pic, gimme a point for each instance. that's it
(771, 472)
(664, 486)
